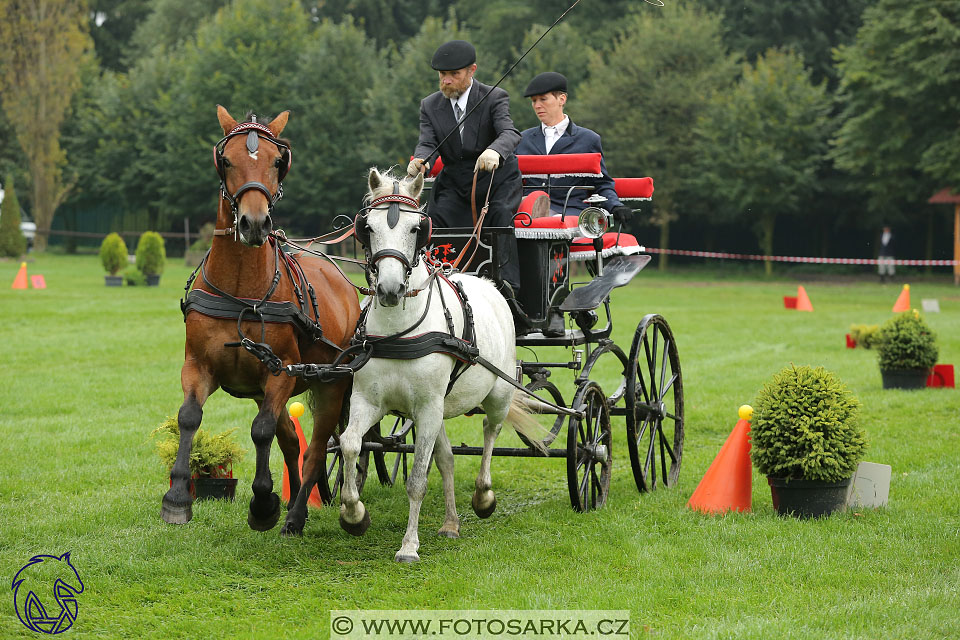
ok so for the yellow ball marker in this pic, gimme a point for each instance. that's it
(296, 409)
(745, 412)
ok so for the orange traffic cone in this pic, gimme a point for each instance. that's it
(903, 302)
(803, 301)
(314, 500)
(20, 282)
(728, 483)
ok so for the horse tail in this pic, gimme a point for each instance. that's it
(521, 418)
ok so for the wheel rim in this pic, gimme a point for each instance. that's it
(654, 406)
(553, 394)
(589, 452)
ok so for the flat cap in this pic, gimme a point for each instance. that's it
(454, 55)
(545, 83)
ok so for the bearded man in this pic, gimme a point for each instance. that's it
(485, 142)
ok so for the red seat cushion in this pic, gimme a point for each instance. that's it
(614, 244)
(561, 164)
(634, 188)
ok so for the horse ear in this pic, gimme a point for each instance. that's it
(227, 123)
(373, 180)
(416, 187)
(277, 124)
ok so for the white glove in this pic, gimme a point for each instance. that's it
(488, 161)
(417, 166)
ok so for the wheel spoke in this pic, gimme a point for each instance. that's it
(666, 444)
(663, 364)
(667, 386)
(643, 430)
(651, 369)
(583, 484)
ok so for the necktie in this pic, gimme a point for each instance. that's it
(550, 137)
(458, 112)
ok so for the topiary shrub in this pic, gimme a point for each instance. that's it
(905, 341)
(12, 241)
(806, 425)
(113, 253)
(865, 335)
(134, 277)
(205, 238)
(151, 253)
(210, 456)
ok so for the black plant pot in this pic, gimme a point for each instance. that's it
(808, 498)
(904, 378)
(214, 488)
(113, 281)
(153, 279)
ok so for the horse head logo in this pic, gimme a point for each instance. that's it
(41, 582)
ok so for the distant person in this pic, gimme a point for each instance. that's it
(485, 142)
(558, 134)
(885, 264)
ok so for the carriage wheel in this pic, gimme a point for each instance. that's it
(554, 395)
(654, 405)
(390, 465)
(333, 474)
(589, 455)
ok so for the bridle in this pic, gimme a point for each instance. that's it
(254, 132)
(362, 231)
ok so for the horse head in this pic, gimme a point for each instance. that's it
(251, 173)
(392, 226)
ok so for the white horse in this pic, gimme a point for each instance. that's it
(416, 388)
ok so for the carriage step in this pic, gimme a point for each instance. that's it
(616, 273)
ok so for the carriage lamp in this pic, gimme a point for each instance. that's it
(593, 222)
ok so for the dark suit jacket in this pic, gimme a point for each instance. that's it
(574, 140)
(490, 126)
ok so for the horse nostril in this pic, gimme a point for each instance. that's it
(267, 225)
(244, 225)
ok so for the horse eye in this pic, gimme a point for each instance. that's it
(276, 163)
(226, 163)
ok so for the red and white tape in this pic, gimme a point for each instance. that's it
(750, 256)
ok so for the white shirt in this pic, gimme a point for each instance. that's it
(552, 134)
(462, 102)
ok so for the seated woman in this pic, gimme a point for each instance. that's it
(558, 134)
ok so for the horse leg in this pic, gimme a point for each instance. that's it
(326, 405)
(177, 503)
(290, 447)
(484, 501)
(443, 455)
(354, 518)
(265, 504)
(429, 424)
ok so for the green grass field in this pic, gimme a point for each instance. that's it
(89, 371)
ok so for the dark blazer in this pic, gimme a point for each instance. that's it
(490, 126)
(574, 140)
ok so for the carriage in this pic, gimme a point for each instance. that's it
(569, 265)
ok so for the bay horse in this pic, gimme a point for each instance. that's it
(435, 308)
(250, 287)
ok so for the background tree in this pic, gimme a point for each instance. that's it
(170, 24)
(761, 143)
(45, 42)
(12, 242)
(900, 87)
(644, 96)
(112, 22)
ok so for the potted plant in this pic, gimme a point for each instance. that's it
(806, 437)
(864, 335)
(906, 351)
(211, 459)
(113, 257)
(151, 256)
(133, 278)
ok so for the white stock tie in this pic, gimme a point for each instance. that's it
(550, 136)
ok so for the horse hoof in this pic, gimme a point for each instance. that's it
(176, 514)
(483, 512)
(446, 532)
(406, 557)
(264, 523)
(291, 530)
(356, 529)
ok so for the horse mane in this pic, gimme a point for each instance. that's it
(387, 179)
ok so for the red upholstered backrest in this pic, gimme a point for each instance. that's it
(561, 164)
(632, 188)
